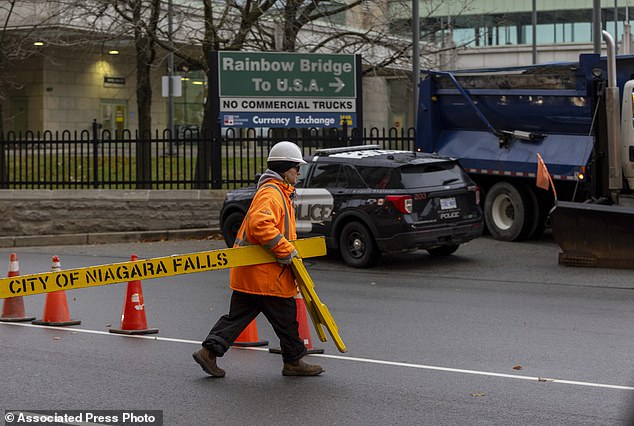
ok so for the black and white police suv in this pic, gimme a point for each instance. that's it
(367, 200)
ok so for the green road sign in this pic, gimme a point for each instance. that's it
(283, 75)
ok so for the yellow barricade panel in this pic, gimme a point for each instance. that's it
(159, 267)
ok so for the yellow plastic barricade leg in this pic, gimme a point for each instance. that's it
(318, 312)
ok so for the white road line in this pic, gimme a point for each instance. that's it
(346, 358)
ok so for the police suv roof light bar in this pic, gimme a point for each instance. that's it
(329, 151)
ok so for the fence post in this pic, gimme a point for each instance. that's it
(95, 153)
(144, 159)
(216, 164)
(344, 134)
(4, 172)
(202, 163)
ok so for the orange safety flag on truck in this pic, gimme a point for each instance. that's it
(543, 177)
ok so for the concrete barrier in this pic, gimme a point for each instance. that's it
(46, 217)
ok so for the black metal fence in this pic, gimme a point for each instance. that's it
(188, 160)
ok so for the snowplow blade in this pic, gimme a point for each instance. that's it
(595, 235)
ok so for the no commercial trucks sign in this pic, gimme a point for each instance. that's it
(258, 89)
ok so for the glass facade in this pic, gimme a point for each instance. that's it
(515, 28)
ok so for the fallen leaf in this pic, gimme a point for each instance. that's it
(478, 394)
(517, 367)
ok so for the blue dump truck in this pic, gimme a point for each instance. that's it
(576, 115)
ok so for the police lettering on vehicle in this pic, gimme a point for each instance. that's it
(450, 215)
(313, 212)
(313, 205)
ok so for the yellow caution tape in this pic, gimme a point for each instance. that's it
(159, 267)
(319, 313)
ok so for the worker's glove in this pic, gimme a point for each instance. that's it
(288, 259)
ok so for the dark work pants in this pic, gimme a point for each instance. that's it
(279, 311)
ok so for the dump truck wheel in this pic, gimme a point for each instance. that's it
(533, 217)
(505, 211)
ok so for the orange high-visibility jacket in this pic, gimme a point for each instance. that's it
(270, 222)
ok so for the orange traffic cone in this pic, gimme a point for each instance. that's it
(249, 337)
(133, 319)
(13, 307)
(303, 328)
(56, 306)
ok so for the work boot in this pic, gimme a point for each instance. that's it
(300, 368)
(207, 361)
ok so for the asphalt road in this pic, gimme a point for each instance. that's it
(497, 334)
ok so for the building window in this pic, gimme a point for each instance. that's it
(189, 108)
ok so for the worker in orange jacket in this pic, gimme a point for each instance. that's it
(270, 287)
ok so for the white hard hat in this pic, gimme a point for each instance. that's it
(286, 151)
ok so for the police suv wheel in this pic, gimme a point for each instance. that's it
(230, 227)
(357, 246)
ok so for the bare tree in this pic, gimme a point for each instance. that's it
(350, 26)
(143, 18)
(325, 26)
(244, 25)
(137, 20)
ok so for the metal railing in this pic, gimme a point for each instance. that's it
(189, 160)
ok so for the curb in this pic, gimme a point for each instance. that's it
(109, 237)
